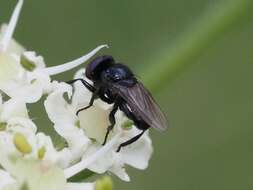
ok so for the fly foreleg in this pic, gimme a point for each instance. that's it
(85, 83)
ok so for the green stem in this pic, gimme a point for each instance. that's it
(213, 24)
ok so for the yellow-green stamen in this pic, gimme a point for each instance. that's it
(22, 144)
(127, 125)
(3, 126)
(77, 124)
(41, 152)
(24, 187)
(27, 64)
(105, 183)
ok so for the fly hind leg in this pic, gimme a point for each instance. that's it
(132, 140)
(138, 123)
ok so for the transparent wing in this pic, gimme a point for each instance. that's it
(143, 105)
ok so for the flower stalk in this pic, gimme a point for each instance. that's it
(215, 22)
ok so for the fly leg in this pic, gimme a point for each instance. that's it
(93, 97)
(112, 119)
(138, 123)
(132, 140)
(85, 83)
(90, 88)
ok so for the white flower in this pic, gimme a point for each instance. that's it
(35, 175)
(38, 175)
(32, 174)
(36, 160)
(28, 158)
(86, 133)
(19, 143)
(65, 121)
(23, 74)
(18, 132)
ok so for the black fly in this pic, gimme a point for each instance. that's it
(115, 83)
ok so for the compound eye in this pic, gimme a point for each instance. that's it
(107, 75)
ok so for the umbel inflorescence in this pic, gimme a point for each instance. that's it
(28, 158)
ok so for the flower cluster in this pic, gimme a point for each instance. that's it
(28, 158)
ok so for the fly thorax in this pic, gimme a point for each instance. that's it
(115, 73)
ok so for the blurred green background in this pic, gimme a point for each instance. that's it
(209, 104)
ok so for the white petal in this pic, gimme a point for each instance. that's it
(13, 108)
(36, 59)
(103, 163)
(80, 74)
(72, 64)
(75, 137)
(137, 154)
(7, 145)
(25, 124)
(119, 170)
(9, 69)
(65, 158)
(80, 186)
(61, 87)
(41, 78)
(58, 110)
(65, 119)
(4, 156)
(90, 159)
(39, 175)
(43, 141)
(95, 121)
(81, 94)
(5, 179)
(28, 92)
(17, 83)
